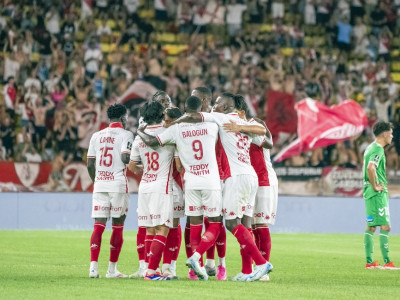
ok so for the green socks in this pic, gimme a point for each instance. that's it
(369, 245)
(384, 242)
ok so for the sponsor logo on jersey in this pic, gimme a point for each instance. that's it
(370, 219)
(129, 146)
(101, 208)
(179, 208)
(376, 158)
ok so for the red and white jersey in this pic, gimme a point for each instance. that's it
(195, 144)
(157, 163)
(107, 146)
(236, 145)
(261, 161)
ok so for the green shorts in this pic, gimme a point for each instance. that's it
(377, 210)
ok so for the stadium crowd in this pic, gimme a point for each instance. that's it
(64, 62)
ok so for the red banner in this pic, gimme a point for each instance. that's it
(37, 177)
(320, 125)
(281, 114)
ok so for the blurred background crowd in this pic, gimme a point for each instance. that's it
(64, 62)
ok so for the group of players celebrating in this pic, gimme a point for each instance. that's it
(209, 164)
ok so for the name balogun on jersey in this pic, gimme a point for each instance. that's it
(201, 169)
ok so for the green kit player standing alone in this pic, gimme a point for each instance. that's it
(376, 195)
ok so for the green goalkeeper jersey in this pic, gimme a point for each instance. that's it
(376, 155)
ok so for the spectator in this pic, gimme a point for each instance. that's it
(66, 134)
(7, 136)
(296, 34)
(53, 20)
(3, 151)
(385, 37)
(344, 34)
(39, 110)
(234, 13)
(68, 27)
(103, 28)
(360, 31)
(377, 19)
(278, 9)
(93, 56)
(309, 13)
(10, 93)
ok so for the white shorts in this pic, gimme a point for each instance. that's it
(179, 203)
(155, 209)
(266, 205)
(206, 203)
(106, 205)
(238, 196)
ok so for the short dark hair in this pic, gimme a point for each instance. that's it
(157, 94)
(193, 103)
(381, 127)
(229, 96)
(204, 91)
(240, 104)
(116, 111)
(152, 112)
(174, 113)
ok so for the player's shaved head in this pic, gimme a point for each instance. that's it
(116, 112)
(152, 112)
(193, 104)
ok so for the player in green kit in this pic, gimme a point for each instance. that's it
(376, 195)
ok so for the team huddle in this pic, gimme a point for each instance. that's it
(206, 164)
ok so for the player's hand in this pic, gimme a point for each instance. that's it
(379, 188)
(138, 170)
(142, 127)
(231, 127)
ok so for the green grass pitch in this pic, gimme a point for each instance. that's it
(55, 265)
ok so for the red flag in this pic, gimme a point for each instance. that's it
(281, 115)
(320, 125)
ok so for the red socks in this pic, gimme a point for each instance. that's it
(264, 241)
(211, 250)
(221, 242)
(188, 247)
(247, 261)
(195, 235)
(195, 238)
(171, 249)
(246, 241)
(116, 242)
(209, 237)
(147, 244)
(156, 251)
(95, 241)
(140, 237)
(178, 243)
(256, 237)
